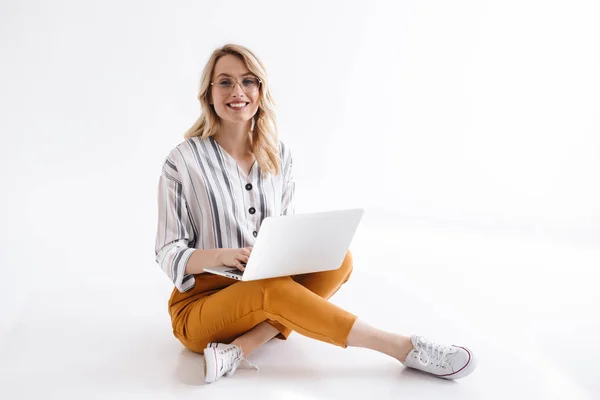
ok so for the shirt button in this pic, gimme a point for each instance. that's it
(249, 186)
(252, 210)
(255, 234)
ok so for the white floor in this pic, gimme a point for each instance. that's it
(527, 306)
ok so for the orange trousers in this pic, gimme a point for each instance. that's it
(220, 309)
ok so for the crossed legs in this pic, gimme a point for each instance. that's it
(249, 314)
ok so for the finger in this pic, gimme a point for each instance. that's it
(240, 267)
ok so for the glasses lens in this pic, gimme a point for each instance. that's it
(225, 85)
(250, 84)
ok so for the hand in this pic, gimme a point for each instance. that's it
(235, 257)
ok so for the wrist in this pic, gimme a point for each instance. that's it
(219, 256)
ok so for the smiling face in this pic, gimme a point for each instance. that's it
(235, 106)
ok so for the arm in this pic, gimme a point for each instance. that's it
(211, 257)
(201, 259)
(175, 230)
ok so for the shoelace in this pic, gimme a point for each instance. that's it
(431, 352)
(234, 359)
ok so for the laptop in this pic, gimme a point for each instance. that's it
(297, 244)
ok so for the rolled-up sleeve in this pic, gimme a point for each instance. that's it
(174, 232)
(289, 183)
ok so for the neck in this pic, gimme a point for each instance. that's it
(234, 138)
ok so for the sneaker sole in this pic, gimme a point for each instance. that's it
(464, 371)
(210, 365)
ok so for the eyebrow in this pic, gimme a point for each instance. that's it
(224, 74)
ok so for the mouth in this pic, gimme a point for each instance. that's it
(238, 105)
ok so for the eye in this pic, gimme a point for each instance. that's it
(250, 81)
(224, 82)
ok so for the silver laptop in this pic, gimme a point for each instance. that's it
(297, 244)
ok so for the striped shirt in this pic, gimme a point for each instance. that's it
(206, 202)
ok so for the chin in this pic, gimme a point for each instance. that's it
(239, 120)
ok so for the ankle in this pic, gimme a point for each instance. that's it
(405, 345)
(243, 346)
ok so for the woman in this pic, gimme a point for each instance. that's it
(215, 189)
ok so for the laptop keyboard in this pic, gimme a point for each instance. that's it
(235, 271)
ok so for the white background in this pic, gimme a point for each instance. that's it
(476, 118)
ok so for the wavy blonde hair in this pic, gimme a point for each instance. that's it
(263, 131)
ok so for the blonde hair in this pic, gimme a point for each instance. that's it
(263, 131)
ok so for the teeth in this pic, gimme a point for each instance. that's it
(237, 105)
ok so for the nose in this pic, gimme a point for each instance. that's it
(237, 90)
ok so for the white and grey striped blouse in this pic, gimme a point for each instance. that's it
(206, 202)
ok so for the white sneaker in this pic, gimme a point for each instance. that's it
(222, 359)
(448, 362)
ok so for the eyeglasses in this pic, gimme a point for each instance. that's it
(249, 84)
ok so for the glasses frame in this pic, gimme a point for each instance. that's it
(239, 84)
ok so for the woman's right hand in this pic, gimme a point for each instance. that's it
(235, 257)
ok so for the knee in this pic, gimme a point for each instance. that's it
(277, 290)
